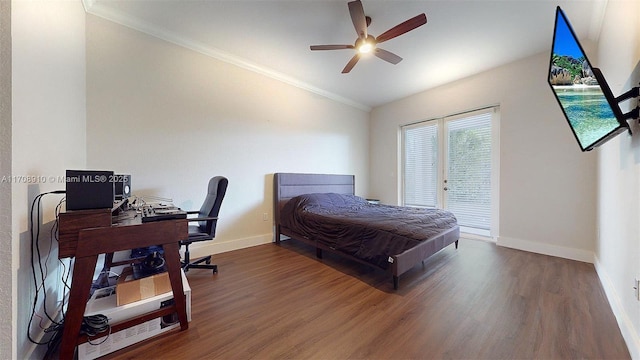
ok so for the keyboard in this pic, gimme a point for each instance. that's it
(151, 214)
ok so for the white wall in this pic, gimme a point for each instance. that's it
(547, 185)
(618, 244)
(6, 300)
(173, 118)
(48, 136)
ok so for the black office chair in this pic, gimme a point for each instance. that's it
(206, 227)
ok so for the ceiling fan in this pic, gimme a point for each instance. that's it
(366, 43)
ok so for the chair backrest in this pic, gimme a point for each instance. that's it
(211, 206)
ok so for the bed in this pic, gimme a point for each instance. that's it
(323, 211)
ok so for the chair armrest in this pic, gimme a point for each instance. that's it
(193, 212)
(205, 218)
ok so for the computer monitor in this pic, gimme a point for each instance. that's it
(89, 189)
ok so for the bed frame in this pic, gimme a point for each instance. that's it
(289, 185)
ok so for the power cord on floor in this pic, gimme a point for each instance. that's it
(95, 324)
(91, 326)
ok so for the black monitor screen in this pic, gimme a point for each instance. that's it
(579, 91)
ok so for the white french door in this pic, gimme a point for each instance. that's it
(451, 163)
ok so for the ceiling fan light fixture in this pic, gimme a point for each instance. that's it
(365, 48)
(366, 43)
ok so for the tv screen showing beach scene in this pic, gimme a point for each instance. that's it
(578, 91)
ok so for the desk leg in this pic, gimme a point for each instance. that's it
(172, 257)
(80, 287)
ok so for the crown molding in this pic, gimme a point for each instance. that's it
(93, 8)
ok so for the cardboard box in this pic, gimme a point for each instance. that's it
(129, 290)
(104, 301)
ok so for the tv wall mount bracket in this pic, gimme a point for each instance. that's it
(615, 101)
(633, 93)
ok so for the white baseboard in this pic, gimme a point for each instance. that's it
(631, 337)
(215, 246)
(546, 249)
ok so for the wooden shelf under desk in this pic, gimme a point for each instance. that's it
(84, 234)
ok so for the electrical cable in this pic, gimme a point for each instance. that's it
(66, 271)
(43, 274)
(91, 325)
(95, 324)
(33, 270)
(40, 285)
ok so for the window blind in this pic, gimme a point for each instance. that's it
(447, 163)
(468, 171)
(421, 165)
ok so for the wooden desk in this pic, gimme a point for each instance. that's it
(84, 234)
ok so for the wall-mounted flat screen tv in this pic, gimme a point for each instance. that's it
(582, 92)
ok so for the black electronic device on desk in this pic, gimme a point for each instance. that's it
(150, 214)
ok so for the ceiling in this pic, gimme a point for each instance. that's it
(461, 38)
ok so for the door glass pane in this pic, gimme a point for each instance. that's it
(421, 165)
(468, 172)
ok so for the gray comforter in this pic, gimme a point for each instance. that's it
(371, 232)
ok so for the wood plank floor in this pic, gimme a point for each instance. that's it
(477, 302)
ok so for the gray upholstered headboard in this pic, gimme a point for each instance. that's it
(288, 185)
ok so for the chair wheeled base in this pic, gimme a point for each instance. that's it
(198, 264)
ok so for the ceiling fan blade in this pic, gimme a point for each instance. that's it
(402, 28)
(359, 20)
(331, 47)
(387, 56)
(351, 63)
